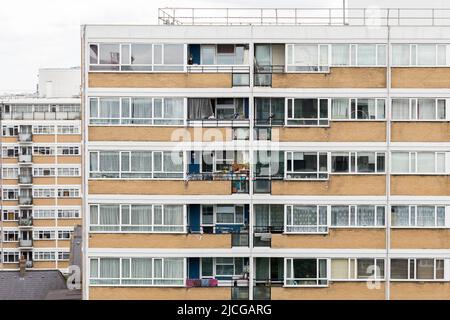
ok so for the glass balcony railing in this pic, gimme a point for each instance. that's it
(61, 115)
(25, 243)
(25, 179)
(25, 137)
(25, 200)
(25, 222)
(25, 158)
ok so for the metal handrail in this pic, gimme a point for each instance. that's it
(201, 68)
(305, 16)
(218, 122)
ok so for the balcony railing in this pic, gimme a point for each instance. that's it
(25, 137)
(26, 222)
(61, 115)
(29, 264)
(25, 243)
(218, 68)
(218, 122)
(240, 239)
(305, 16)
(195, 283)
(25, 179)
(25, 200)
(25, 158)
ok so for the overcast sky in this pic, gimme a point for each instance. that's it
(46, 33)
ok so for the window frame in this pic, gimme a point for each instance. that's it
(320, 175)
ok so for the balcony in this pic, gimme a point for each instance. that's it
(25, 158)
(29, 264)
(25, 179)
(25, 200)
(239, 181)
(26, 222)
(25, 137)
(61, 115)
(25, 243)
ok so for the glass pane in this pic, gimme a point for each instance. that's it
(109, 53)
(141, 54)
(399, 268)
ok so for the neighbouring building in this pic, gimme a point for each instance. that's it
(276, 156)
(41, 173)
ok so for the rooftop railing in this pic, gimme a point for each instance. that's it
(305, 16)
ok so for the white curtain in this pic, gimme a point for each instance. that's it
(141, 161)
(400, 109)
(306, 55)
(141, 268)
(109, 214)
(109, 268)
(199, 108)
(366, 215)
(400, 162)
(141, 215)
(141, 108)
(425, 162)
(340, 54)
(340, 216)
(173, 108)
(340, 108)
(425, 216)
(426, 54)
(94, 268)
(173, 215)
(109, 108)
(426, 109)
(400, 216)
(173, 162)
(262, 215)
(109, 161)
(303, 218)
(400, 54)
(93, 211)
(173, 270)
(367, 55)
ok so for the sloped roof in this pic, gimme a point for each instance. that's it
(35, 285)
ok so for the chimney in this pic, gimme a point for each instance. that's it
(22, 266)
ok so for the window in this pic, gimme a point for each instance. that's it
(44, 255)
(40, 129)
(43, 213)
(10, 257)
(418, 109)
(68, 129)
(43, 192)
(142, 111)
(418, 216)
(418, 162)
(10, 173)
(307, 112)
(269, 111)
(43, 151)
(417, 269)
(69, 213)
(69, 172)
(223, 54)
(10, 131)
(223, 268)
(10, 235)
(137, 218)
(62, 255)
(358, 55)
(306, 219)
(136, 57)
(10, 194)
(360, 109)
(43, 172)
(357, 162)
(422, 55)
(68, 150)
(10, 152)
(44, 235)
(68, 192)
(64, 234)
(357, 269)
(305, 272)
(10, 214)
(306, 165)
(137, 271)
(229, 214)
(357, 216)
(307, 58)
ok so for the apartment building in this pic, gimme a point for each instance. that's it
(41, 172)
(283, 157)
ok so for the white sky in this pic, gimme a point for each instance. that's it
(46, 33)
